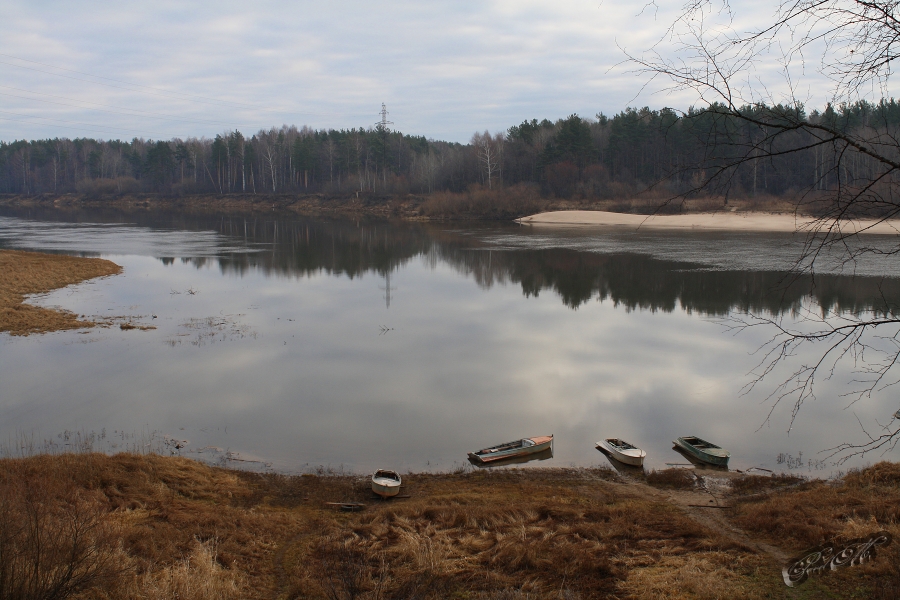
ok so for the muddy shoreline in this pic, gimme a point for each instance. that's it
(507, 204)
(367, 204)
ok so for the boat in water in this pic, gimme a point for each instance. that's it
(622, 451)
(522, 447)
(386, 483)
(702, 450)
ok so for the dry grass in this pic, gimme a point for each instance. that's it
(863, 502)
(182, 529)
(756, 484)
(679, 479)
(198, 576)
(712, 576)
(24, 273)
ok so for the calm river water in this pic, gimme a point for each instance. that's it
(296, 344)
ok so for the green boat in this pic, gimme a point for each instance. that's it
(703, 450)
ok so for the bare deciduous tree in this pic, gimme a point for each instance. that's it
(489, 150)
(856, 174)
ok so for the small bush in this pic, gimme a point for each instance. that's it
(479, 202)
(55, 540)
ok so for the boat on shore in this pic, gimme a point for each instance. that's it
(522, 447)
(622, 451)
(386, 483)
(702, 450)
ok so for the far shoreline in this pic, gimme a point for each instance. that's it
(711, 221)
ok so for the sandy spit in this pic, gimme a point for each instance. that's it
(728, 221)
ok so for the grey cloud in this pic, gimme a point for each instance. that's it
(445, 69)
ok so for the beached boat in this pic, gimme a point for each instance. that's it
(386, 483)
(521, 447)
(703, 450)
(622, 451)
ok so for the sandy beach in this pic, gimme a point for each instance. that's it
(728, 221)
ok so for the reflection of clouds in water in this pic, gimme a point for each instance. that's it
(464, 367)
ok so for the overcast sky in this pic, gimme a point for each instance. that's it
(444, 68)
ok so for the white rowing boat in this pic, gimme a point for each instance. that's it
(622, 451)
(386, 483)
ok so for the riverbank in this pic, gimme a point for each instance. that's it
(475, 203)
(23, 273)
(161, 527)
(722, 221)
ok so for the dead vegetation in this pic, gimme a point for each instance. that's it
(23, 273)
(165, 527)
(803, 516)
(679, 479)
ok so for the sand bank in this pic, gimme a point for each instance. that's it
(24, 273)
(728, 221)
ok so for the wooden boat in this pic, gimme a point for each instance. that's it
(513, 460)
(521, 447)
(622, 451)
(703, 450)
(386, 483)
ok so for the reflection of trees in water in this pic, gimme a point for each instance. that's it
(303, 247)
(640, 282)
(635, 281)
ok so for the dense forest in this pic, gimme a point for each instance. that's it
(575, 157)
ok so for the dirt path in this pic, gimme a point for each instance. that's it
(708, 505)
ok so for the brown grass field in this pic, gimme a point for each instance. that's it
(146, 526)
(24, 273)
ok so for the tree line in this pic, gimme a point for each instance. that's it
(700, 151)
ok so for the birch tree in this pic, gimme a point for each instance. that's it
(489, 152)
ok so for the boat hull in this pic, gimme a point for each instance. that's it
(713, 455)
(633, 457)
(386, 485)
(540, 444)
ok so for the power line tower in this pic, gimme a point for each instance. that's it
(382, 128)
(387, 288)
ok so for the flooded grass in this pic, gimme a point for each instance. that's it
(23, 273)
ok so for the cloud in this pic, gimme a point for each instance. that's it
(445, 69)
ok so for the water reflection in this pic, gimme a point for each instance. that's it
(514, 460)
(626, 271)
(368, 344)
(619, 466)
(696, 462)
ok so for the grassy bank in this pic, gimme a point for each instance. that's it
(163, 527)
(24, 273)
